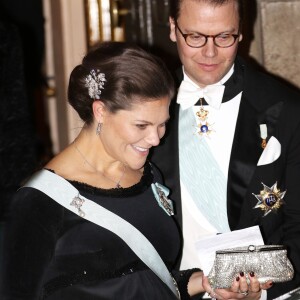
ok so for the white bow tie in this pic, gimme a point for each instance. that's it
(189, 94)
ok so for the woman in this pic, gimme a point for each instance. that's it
(122, 94)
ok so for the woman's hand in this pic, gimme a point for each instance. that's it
(240, 289)
(250, 290)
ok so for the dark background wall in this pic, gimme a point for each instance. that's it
(24, 139)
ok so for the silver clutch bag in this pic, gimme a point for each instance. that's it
(269, 262)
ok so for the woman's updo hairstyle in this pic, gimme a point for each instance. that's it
(131, 75)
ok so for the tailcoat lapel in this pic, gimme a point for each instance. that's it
(254, 110)
(167, 158)
(244, 156)
(166, 155)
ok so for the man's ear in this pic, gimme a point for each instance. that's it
(99, 111)
(172, 29)
(240, 37)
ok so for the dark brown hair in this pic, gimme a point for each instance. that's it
(175, 7)
(132, 75)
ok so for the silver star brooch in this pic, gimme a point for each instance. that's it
(269, 199)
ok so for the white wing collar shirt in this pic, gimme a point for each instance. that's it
(204, 162)
(189, 93)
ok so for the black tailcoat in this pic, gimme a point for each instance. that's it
(264, 100)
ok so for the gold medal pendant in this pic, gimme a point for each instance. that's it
(269, 199)
(203, 127)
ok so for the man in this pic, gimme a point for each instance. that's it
(242, 138)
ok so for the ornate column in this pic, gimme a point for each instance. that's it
(276, 45)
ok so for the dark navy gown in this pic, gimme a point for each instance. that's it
(51, 253)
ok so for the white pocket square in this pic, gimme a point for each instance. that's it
(270, 153)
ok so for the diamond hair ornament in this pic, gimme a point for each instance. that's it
(95, 82)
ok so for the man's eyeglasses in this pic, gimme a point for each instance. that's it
(198, 40)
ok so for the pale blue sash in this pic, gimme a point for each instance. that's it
(201, 174)
(61, 191)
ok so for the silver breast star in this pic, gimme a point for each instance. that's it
(269, 199)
